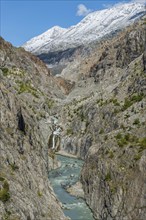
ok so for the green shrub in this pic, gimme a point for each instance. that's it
(127, 104)
(105, 137)
(82, 116)
(69, 131)
(98, 101)
(129, 128)
(2, 179)
(122, 142)
(50, 103)
(26, 87)
(111, 154)
(108, 177)
(127, 116)
(113, 189)
(5, 71)
(131, 100)
(14, 166)
(137, 98)
(101, 102)
(115, 102)
(12, 71)
(122, 126)
(6, 185)
(118, 136)
(132, 110)
(134, 139)
(87, 123)
(101, 131)
(127, 137)
(136, 121)
(4, 192)
(142, 143)
(137, 156)
(4, 195)
(39, 193)
(116, 111)
(93, 166)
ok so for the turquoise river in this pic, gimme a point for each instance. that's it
(65, 176)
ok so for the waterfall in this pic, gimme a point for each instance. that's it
(53, 142)
(56, 133)
(56, 129)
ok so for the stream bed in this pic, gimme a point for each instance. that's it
(67, 175)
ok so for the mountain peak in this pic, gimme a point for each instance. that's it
(56, 27)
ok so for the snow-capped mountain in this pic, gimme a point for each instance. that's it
(93, 27)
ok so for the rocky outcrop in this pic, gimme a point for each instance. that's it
(126, 47)
(27, 96)
(66, 86)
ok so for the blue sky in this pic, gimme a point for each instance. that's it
(23, 19)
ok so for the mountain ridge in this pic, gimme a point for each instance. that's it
(93, 27)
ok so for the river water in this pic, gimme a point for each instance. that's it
(68, 174)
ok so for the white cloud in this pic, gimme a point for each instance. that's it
(82, 10)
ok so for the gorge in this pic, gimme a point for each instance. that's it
(95, 110)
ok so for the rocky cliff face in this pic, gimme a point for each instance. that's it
(105, 125)
(27, 95)
(113, 175)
